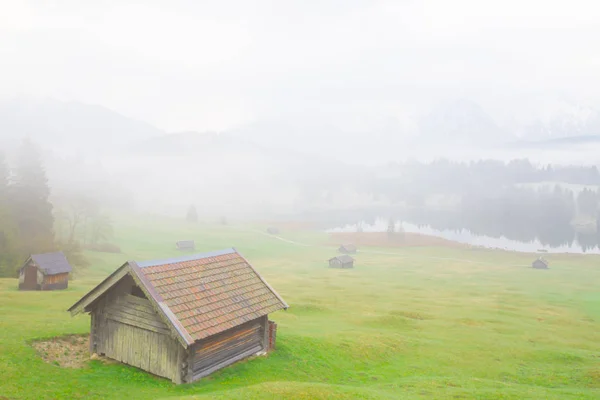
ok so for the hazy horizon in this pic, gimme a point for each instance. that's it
(205, 66)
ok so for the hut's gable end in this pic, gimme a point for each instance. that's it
(127, 304)
(87, 302)
(343, 261)
(29, 277)
(126, 328)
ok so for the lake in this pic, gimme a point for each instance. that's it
(587, 244)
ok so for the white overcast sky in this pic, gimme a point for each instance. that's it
(193, 64)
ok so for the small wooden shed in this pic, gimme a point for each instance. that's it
(185, 245)
(540, 263)
(343, 261)
(273, 231)
(347, 249)
(182, 318)
(48, 271)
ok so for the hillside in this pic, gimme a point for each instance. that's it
(69, 127)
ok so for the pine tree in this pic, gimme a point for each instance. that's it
(30, 205)
(192, 214)
(391, 228)
(7, 229)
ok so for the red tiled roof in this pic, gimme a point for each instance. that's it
(211, 293)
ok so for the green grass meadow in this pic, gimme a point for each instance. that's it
(421, 323)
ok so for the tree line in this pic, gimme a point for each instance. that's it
(29, 221)
(521, 214)
(413, 181)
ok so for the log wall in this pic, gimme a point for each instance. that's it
(223, 349)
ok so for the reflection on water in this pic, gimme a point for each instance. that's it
(580, 243)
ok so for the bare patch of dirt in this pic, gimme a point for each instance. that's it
(381, 239)
(70, 351)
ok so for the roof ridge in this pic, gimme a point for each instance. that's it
(191, 257)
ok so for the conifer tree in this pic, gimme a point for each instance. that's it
(30, 205)
(7, 229)
(192, 214)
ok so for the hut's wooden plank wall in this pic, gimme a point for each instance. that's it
(126, 328)
(228, 347)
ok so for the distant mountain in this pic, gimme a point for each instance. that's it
(565, 125)
(324, 137)
(561, 142)
(225, 148)
(460, 122)
(225, 173)
(69, 127)
(553, 117)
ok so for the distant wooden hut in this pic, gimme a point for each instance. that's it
(48, 271)
(185, 245)
(347, 249)
(273, 231)
(343, 261)
(182, 318)
(540, 263)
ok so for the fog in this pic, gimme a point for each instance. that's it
(282, 109)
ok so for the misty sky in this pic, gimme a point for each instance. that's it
(185, 64)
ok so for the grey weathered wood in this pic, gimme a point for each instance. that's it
(148, 318)
(134, 299)
(151, 351)
(225, 363)
(145, 308)
(228, 347)
(87, 300)
(92, 339)
(133, 320)
(265, 330)
(162, 309)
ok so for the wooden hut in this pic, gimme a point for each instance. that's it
(182, 318)
(343, 261)
(540, 263)
(347, 249)
(48, 271)
(185, 245)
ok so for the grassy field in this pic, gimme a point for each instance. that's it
(430, 323)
